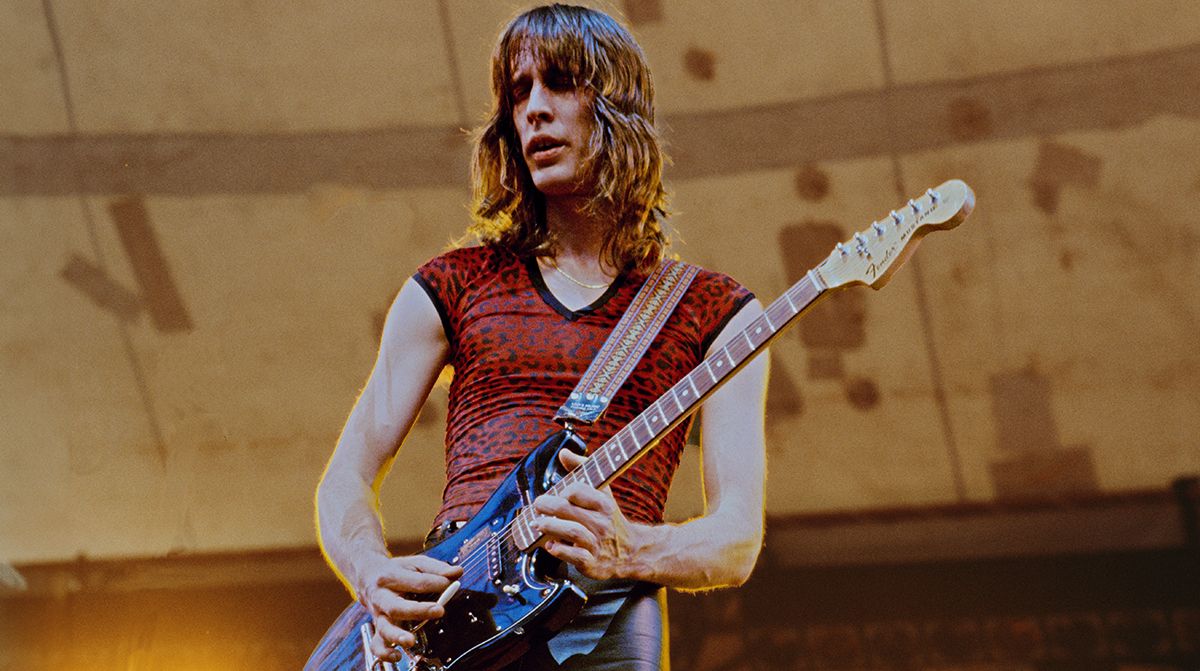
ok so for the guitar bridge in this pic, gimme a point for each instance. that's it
(373, 663)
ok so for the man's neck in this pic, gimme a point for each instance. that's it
(579, 237)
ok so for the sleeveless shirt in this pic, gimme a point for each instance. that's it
(517, 353)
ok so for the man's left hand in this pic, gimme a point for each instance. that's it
(585, 527)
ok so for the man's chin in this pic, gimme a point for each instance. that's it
(558, 188)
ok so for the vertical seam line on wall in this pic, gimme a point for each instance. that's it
(135, 364)
(935, 366)
(452, 61)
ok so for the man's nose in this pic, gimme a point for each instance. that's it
(539, 107)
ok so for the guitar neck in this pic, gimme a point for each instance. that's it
(633, 441)
(869, 258)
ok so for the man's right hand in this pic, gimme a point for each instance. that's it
(387, 585)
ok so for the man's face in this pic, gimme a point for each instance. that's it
(553, 122)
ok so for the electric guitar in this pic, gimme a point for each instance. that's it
(512, 594)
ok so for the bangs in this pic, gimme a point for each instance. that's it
(554, 47)
(587, 47)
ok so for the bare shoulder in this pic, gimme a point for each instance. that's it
(413, 314)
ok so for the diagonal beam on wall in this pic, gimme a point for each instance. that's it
(1105, 94)
(93, 277)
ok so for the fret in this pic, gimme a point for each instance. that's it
(693, 384)
(675, 396)
(709, 369)
(788, 295)
(656, 414)
(767, 318)
(746, 335)
(758, 330)
(619, 446)
(738, 350)
(594, 476)
(607, 449)
(633, 436)
(664, 414)
(524, 535)
(781, 319)
(807, 293)
(732, 361)
(716, 358)
(650, 432)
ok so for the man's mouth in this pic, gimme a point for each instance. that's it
(544, 148)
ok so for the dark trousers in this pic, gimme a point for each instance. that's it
(634, 639)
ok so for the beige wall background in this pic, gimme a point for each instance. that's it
(206, 207)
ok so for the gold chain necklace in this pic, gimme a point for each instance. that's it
(585, 285)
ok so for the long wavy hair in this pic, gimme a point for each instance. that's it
(624, 157)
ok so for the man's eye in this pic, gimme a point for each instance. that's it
(560, 82)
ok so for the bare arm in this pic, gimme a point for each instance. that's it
(411, 354)
(716, 549)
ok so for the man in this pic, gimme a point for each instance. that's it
(568, 192)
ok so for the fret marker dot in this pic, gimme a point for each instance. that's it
(720, 363)
(685, 393)
(758, 330)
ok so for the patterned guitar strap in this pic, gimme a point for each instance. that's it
(629, 340)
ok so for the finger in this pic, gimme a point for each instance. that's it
(427, 564)
(386, 637)
(570, 460)
(415, 582)
(548, 506)
(398, 609)
(567, 530)
(590, 498)
(573, 555)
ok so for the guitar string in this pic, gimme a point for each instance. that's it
(503, 544)
(479, 556)
(475, 559)
(496, 543)
(472, 561)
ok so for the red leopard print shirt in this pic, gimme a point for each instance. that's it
(517, 353)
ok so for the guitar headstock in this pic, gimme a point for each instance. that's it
(874, 254)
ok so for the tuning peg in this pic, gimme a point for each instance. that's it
(842, 249)
(861, 247)
(897, 218)
(878, 228)
(933, 195)
(916, 208)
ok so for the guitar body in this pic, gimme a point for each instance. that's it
(509, 599)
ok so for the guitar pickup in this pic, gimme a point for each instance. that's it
(495, 561)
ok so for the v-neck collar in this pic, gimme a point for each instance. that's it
(539, 283)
